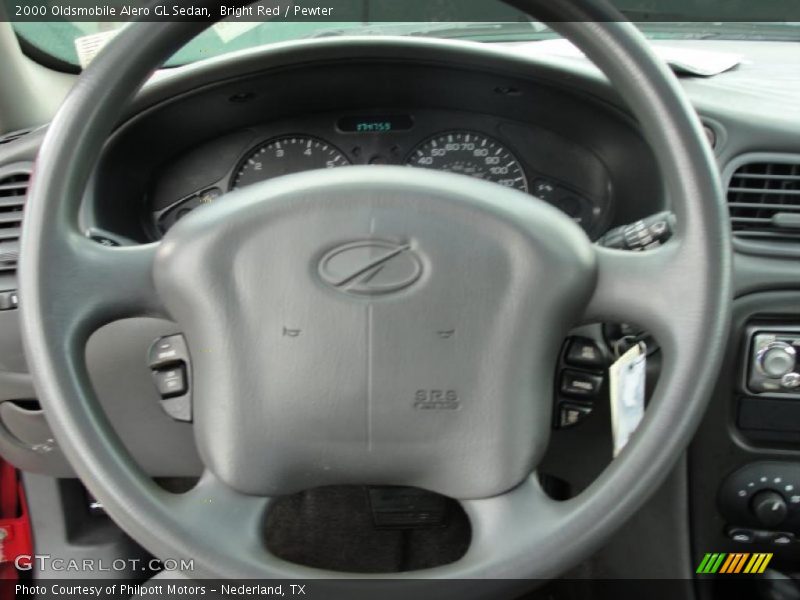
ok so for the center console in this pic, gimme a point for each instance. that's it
(745, 460)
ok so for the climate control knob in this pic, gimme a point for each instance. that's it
(770, 508)
(777, 359)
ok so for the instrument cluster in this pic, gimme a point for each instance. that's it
(480, 150)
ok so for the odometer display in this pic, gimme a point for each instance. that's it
(286, 155)
(472, 154)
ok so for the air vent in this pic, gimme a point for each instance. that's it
(13, 188)
(14, 135)
(764, 201)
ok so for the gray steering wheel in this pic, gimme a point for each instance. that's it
(277, 414)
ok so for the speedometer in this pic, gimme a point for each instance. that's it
(286, 155)
(472, 154)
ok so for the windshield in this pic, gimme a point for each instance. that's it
(73, 39)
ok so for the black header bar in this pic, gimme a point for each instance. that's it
(381, 11)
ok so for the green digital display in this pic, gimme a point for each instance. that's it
(373, 127)
(375, 123)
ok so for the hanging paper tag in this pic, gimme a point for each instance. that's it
(626, 388)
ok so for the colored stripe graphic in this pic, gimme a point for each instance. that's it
(758, 563)
(704, 564)
(730, 563)
(711, 562)
(740, 563)
(737, 562)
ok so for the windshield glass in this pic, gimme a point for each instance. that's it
(74, 38)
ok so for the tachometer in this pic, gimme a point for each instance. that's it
(472, 154)
(286, 155)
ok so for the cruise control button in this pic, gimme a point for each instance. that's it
(571, 414)
(580, 384)
(9, 300)
(583, 352)
(167, 350)
(171, 382)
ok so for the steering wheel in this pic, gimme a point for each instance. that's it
(368, 263)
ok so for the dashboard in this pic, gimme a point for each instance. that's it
(479, 146)
(182, 148)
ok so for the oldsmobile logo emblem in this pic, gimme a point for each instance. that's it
(370, 267)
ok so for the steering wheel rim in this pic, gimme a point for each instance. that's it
(680, 292)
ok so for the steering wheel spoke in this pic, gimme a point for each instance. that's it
(640, 288)
(497, 524)
(232, 522)
(101, 284)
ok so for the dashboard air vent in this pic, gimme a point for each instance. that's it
(764, 201)
(13, 188)
(14, 135)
